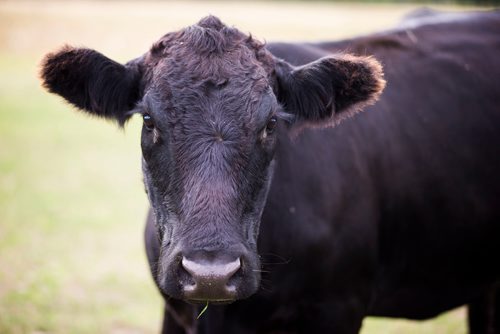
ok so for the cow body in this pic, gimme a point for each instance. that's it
(415, 179)
(259, 204)
(395, 212)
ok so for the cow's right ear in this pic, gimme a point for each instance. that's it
(92, 82)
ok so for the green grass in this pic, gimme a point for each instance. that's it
(71, 212)
(72, 203)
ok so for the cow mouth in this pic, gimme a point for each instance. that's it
(210, 301)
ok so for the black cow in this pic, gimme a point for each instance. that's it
(396, 212)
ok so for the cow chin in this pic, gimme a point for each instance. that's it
(204, 275)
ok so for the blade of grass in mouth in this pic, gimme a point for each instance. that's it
(202, 311)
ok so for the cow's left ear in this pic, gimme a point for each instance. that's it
(329, 89)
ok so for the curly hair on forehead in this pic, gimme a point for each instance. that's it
(211, 37)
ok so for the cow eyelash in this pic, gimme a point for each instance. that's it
(285, 117)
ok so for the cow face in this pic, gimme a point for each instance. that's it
(213, 102)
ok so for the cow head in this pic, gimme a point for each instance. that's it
(213, 101)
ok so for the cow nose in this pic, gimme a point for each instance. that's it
(211, 279)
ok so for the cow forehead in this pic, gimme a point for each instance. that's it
(185, 66)
(211, 99)
(226, 74)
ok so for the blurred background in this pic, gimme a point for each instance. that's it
(72, 204)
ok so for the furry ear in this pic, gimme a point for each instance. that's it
(329, 89)
(92, 82)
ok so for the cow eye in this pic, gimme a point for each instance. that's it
(271, 125)
(148, 121)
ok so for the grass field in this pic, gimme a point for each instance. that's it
(72, 204)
